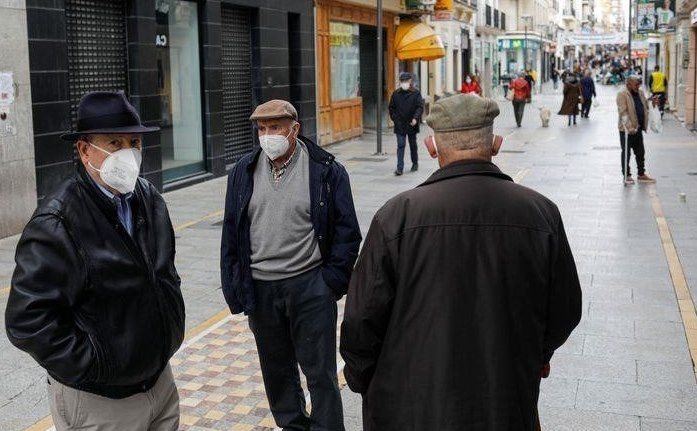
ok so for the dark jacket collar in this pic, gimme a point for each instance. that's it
(466, 167)
(316, 153)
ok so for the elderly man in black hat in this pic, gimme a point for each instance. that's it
(406, 107)
(95, 296)
(464, 288)
(290, 239)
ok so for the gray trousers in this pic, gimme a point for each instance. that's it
(156, 409)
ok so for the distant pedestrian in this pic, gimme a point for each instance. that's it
(463, 290)
(406, 107)
(587, 93)
(555, 78)
(521, 93)
(572, 97)
(470, 86)
(658, 83)
(531, 83)
(95, 296)
(633, 116)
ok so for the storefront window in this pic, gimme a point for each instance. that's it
(346, 66)
(178, 81)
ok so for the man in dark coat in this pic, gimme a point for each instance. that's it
(406, 107)
(463, 290)
(290, 239)
(95, 296)
(588, 93)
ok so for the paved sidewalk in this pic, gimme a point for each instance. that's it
(627, 367)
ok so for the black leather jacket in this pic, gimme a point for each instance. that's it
(100, 310)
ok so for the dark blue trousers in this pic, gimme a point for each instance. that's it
(401, 144)
(294, 323)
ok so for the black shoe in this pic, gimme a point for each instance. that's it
(398, 172)
(415, 167)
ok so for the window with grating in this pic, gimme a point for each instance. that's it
(487, 15)
(237, 82)
(496, 18)
(97, 57)
(503, 21)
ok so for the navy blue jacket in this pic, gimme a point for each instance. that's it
(333, 220)
(587, 88)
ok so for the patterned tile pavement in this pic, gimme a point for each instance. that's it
(219, 379)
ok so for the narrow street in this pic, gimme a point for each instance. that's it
(628, 366)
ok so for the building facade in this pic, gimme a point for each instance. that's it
(17, 177)
(196, 69)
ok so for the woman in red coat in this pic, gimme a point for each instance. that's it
(470, 86)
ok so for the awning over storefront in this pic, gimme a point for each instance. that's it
(416, 40)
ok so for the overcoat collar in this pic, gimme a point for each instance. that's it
(466, 167)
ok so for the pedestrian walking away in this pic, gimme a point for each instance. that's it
(587, 93)
(289, 242)
(463, 290)
(658, 83)
(555, 78)
(406, 107)
(572, 97)
(95, 295)
(633, 118)
(521, 93)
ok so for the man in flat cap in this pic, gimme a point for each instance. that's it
(290, 239)
(95, 296)
(633, 119)
(464, 288)
(406, 107)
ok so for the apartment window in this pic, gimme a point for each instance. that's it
(503, 21)
(496, 18)
(487, 13)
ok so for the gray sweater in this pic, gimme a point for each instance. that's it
(282, 238)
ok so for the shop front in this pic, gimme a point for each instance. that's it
(515, 51)
(347, 68)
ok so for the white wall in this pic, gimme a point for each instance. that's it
(17, 167)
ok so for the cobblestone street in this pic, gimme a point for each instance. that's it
(628, 366)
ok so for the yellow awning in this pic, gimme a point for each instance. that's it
(416, 40)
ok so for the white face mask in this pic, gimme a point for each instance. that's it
(468, 80)
(120, 170)
(275, 145)
(404, 86)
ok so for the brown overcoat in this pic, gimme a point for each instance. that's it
(572, 97)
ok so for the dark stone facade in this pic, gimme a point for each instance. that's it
(282, 67)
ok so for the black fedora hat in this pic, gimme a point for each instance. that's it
(106, 112)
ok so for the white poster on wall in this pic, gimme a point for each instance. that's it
(7, 89)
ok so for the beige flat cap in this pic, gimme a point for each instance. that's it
(274, 109)
(462, 112)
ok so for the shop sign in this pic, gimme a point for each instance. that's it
(342, 34)
(640, 53)
(517, 44)
(161, 40)
(443, 10)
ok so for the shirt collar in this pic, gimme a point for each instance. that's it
(126, 196)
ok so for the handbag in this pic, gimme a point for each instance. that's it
(509, 95)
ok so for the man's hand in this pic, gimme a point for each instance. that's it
(413, 122)
(545, 370)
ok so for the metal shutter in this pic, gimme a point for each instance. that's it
(97, 56)
(237, 82)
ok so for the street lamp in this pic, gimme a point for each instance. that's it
(525, 42)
